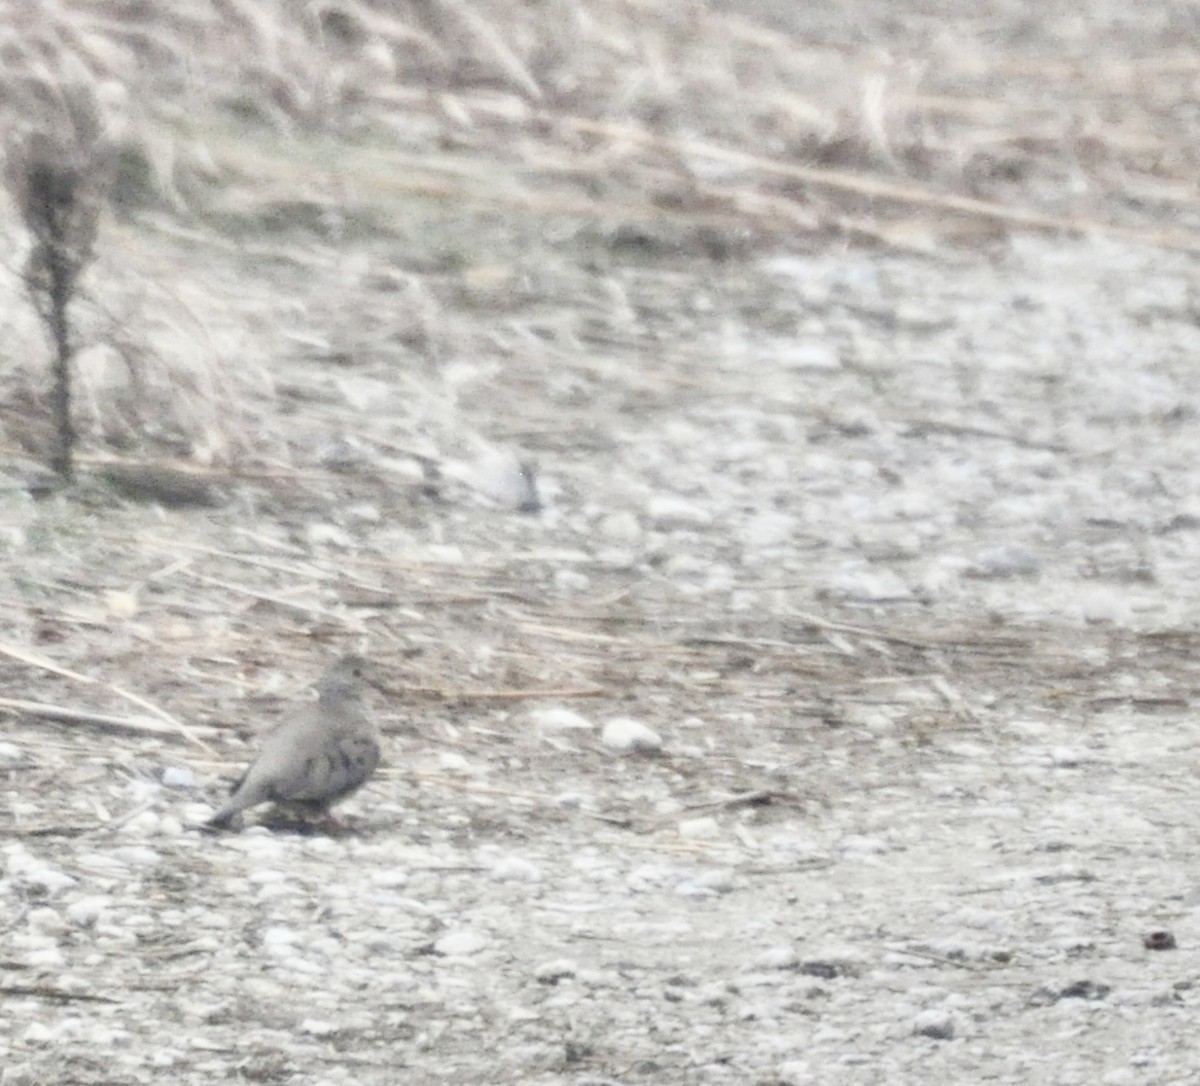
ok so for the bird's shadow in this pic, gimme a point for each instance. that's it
(299, 826)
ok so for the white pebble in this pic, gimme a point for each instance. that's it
(48, 879)
(143, 824)
(621, 527)
(389, 879)
(938, 1024)
(856, 581)
(279, 938)
(770, 529)
(671, 511)
(795, 1073)
(516, 869)
(1006, 561)
(365, 513)
(36, 1033)
(699, 829)
(815, 354)
(178, 776)
(1070, 757)
(86, 911)
(45, 957)
(625, 734)
(502, 477)
(553, 972)
(11, 754)
(571, 580)
(315, 1027)
(453, 762)
(722, 880)
(45, 919)
(855, 847)
(782, 956)
(559, 718)
(458, 944)
(324, 535)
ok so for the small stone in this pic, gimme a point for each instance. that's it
(516, 869)
(669, 511)
(36, 1033)
(86, 911)
(48, 879)
(143, 824)
(700, 829)
(177, 776)
(328, 535)
(1070, 757)
(45, 919)
(795, 1073)
(389, 879)
(621, 527)
(625, 734)
(135, 855)
(11, 754)
(315, 1027)
(1004, 563)
(817, 354)
(555, 971)
(460, 944)
(721, 880)
(571, 580)
(559, 718)
(506, 480)
(279, 939)
(769, 529)
(365, 513)
(778, 957)
(934, 1023)
(855, 581)
(453, 762)
(856, 847)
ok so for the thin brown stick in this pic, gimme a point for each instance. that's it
(59, 995)
(268, 597)
(188, 733)
(878, 188)
(139, 725)
(442, 694)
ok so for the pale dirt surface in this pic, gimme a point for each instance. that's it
(895, 553)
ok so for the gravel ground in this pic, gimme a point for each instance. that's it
(889, 558)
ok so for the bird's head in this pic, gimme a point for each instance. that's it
(348, 676)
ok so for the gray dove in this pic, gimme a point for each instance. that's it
(319, 757)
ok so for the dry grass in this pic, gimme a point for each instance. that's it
(665, 107)
(653, 118)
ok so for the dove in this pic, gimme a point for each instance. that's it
(324, 754)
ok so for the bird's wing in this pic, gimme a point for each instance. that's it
(336, 768)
